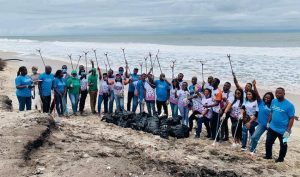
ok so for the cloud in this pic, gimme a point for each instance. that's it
(43, 17)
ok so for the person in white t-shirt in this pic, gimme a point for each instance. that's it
(104, 90)
(234, 109)
(249, 112)
(118, 90)
(227, 94)
(150, 94)
(205, 114)
(183, 101)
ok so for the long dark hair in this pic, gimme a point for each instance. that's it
(241, 97)
(58, 73)
(21, 70)
(176, 85)
(272, 97)
(253, 95)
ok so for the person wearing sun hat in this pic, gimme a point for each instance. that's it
(73, 85)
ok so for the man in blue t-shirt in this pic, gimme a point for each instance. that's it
(162, 93)
(281, 122)
(45, 87)
(133, 78)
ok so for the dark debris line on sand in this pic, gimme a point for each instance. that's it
(31, 146)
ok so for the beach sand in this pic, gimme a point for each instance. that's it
(86, 146)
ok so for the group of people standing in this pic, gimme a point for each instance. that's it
(203, 103)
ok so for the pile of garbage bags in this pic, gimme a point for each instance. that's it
(162, 125)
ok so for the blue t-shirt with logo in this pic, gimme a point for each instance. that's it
(141, 89)
(59, 84)
(162, 88)
(23, 80)
(46, 83)
(263, 113)
(134, 77)
(282, 112)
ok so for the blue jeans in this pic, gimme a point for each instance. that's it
(151, 106)
(174, 109)
(260, 129)
(245, 133)
(59, 104)
(24, 101)
(111, 101)
(119, 103)
(74, 101)
(184, 112)
(102, 98)
(135, 102)
(206, 122)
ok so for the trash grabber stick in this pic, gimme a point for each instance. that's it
(126, 63)
(172, 67)
(229, 58)
(105, 66)
(151, 62)
(85, 57)
(145, 58)
(78, 61)
(39, 51)
(158, 61)
(141, 65)
(258, 143)
(70, 57)
(94, 50)
(202, 69)
(236, 129)
(219, 129)
(107, 60)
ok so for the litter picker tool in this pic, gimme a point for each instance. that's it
(202, 69)
(158, 61)
(105, 66)
(141, 65)
(107, 60)
(70, 57)
(146, 65)
(79, 57)
(219, 129)
(172, 67)
(85, 57)
(39, 51)
(126, 62)
(94, 50)
(229, 58)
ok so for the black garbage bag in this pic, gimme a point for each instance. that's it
(179, 131)
(109, 118)
(176, 120)
(153, 125)
(139, 121)
(164, 131)
(124, 119)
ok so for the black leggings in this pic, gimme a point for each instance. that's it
(163, 104)
(83, 95)
(192, 118)
(238, 131)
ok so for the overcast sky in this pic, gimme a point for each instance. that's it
(68, 17)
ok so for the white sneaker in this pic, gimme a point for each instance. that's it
(244, 149)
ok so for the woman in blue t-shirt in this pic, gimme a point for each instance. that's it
(23, 86)
(60, 91)
(264, 105)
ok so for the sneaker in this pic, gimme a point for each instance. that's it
(279, 160)
(225, 139)
(243, 149)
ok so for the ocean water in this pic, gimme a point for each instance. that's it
(272, 59)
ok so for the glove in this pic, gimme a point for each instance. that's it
(268, 125)
(223, 117)
(240, 117)
(286, 134)
(167, 102)
(199, 116)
